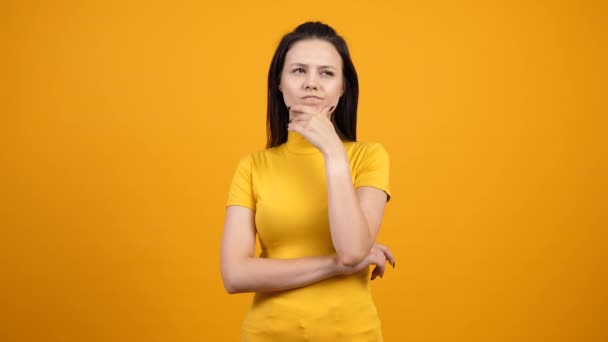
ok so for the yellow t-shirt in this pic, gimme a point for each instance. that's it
(286, 187)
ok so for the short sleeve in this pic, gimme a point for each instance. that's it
(374, 169)
(241, 188)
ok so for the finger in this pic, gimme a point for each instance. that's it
(301, 117)
(297, 112)
(298, 124)
(295, 127)
(387, 252)
(294, 113)
(378, 270)
(374, 273)
(381, 269)
(299, 108)
(380, 261)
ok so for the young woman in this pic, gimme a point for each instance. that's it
(315, 197)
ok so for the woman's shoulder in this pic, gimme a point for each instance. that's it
(259, 156)
(363, 148)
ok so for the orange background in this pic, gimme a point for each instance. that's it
(123, 122)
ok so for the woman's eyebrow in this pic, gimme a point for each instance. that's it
(306, 66)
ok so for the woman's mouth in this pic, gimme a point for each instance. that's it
(311, 99)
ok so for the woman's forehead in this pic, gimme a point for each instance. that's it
(313, 52)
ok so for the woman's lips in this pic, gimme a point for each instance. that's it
(311, 99)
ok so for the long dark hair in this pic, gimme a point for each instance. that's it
(344, 116)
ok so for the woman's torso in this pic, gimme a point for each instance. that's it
(291, 218)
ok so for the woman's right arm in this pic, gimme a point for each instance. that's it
(243, 272)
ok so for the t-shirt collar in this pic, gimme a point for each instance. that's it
(296, 143)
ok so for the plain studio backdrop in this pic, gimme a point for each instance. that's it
(123, 121)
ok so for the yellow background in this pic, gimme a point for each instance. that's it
(122, 123)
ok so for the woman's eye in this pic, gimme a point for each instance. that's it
(328, 73)
(298, 70)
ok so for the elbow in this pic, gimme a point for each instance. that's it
(235, 277)
(353, 253)
(351, 259)
(230, 288)
(231, 284)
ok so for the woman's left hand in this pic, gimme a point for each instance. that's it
(315, 126)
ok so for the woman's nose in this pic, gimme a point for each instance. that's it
(311, 82)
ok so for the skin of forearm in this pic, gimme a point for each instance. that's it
(254, 274)
(350, 233)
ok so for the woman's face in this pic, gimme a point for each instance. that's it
(312, 74)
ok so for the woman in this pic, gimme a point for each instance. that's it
(315, 197)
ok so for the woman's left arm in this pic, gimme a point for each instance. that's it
(354, 214)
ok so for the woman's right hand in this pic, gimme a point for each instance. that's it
(378, 255)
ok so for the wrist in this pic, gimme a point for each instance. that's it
(335, 153)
